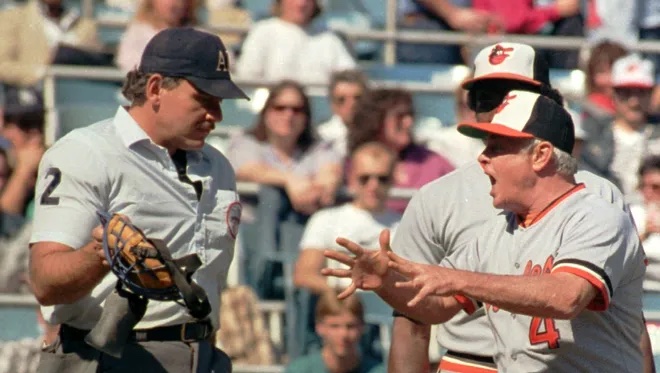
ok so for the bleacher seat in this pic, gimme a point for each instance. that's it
(258, 9)
(23, 320)
(80, 102)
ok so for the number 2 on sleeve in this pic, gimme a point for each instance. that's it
(543, 331)
(46, 198)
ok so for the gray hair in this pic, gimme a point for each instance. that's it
(135, 84)
(565, 164)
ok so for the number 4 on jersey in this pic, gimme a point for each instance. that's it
(544, 331)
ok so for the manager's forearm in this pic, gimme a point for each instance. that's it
(410, 345)
(551, 296)
(431, 310)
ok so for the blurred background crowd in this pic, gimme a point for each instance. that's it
(340, 131)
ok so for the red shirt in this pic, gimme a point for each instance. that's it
(519, 16)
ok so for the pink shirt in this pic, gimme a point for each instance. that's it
(519, 16)
(417, 166)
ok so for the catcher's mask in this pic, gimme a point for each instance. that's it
(146, 267)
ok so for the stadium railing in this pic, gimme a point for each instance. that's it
(390, 35)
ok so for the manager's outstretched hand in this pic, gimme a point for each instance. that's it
(427, 279)
(367, 268)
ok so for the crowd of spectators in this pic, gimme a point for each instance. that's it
(321, 180)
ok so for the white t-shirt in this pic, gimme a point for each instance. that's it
(334, 132)
(456, 147)
(629, 148)
(275, 49)
(348, 221)
(651, 248)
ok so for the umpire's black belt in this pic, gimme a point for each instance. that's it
(189, 332)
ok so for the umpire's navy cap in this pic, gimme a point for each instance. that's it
(198, 56)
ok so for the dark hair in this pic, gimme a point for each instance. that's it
(32, 120)
(371, 110)
(348, 76)
(259, 131)
(135, 85)
(551, 93)
(651, 163)
(604, 53)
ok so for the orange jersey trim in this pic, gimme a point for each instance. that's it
(454, 365)
(533, 218)
(467, 303)
(598, 303)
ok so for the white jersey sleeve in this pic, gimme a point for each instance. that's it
(72, 184)
(603, 249)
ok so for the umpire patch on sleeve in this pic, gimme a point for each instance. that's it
(234, 218)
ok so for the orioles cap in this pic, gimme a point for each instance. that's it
(510, 61)
(197, 56)
(632, 71)
(527, 115)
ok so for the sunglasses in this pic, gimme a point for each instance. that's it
(294, 109)
(483, 101)
(653, 186)
(382, 179)
(628, 93)
(340, 100)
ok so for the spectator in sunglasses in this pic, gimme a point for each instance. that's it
(362, 219)
(345, 89)
(297, 173)
(387, 116)
(647, 219)
(369, 180)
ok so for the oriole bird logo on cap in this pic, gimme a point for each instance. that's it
(498, 54)
(504, 103)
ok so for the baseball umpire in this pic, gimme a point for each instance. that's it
(150, 164)
(559, 272)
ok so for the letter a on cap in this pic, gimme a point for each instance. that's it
(223, 61)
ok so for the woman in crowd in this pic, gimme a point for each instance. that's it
(152, 17)
(297, 173)
(387, 115)
(287, 46)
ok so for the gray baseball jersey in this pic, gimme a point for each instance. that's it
(113, 166)
(447, 214)
(586, 236)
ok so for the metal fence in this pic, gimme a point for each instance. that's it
(390, 35)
